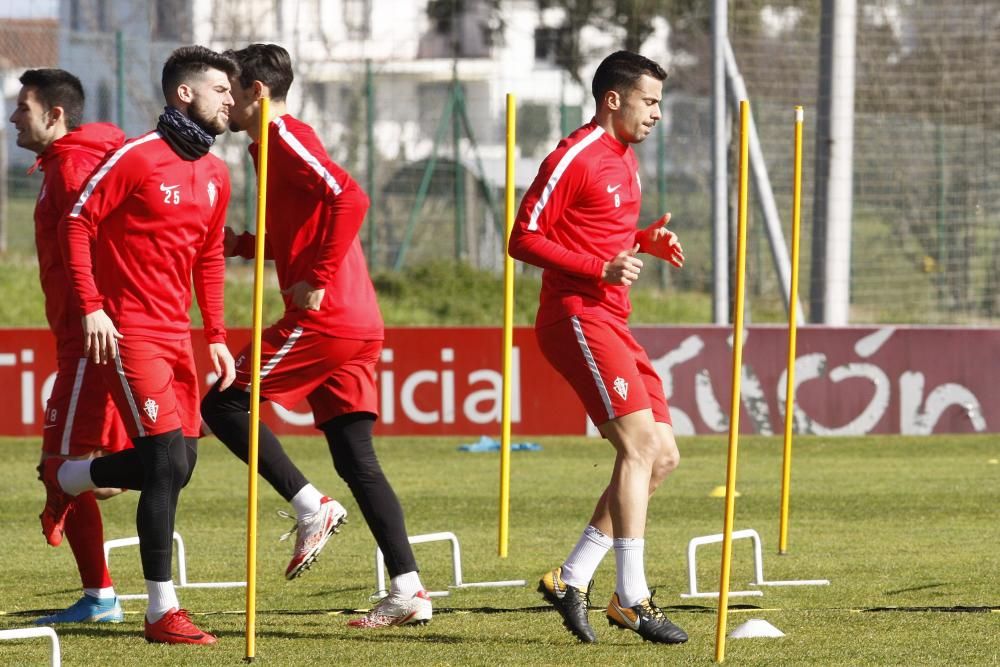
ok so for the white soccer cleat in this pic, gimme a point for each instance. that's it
(313, 534)
(395, 610)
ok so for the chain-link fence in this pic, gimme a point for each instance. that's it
(423, 132)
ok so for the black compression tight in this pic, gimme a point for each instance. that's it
(227, 413)
(165, 470)
(350, 440)
(124, 469)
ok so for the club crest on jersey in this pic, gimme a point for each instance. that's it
(211, 193)
(151, 408)
(621, 388)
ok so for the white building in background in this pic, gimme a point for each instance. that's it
(332, 43)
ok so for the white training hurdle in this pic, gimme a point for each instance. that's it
(758, 567)
(27, 633)
(456, 565)
(182, 581)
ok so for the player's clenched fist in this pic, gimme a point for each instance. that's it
(623, 269)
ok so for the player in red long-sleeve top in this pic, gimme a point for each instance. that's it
(81, 421)
(325, 347)
(154, 214)
(578, 221)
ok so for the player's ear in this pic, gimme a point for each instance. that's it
(185, 93)
(56, 114)
(613, 99)
(259, 90)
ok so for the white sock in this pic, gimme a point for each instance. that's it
(405, 585)
(100, 593)
(631, 581)
(74, 477)
(162, 598)
(306, 502)
(582, 562)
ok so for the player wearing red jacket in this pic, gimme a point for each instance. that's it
(325, 347)
(154, 213)
(578, 222)
(81, 421)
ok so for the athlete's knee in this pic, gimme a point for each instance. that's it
(642, 446)
(191, 453)
(667, 460)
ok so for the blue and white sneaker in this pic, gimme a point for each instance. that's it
(87, 610)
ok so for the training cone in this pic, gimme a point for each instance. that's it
(720, 492)
(755, 627)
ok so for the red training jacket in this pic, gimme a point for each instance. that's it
(314, 212)
(66, 164)
(158, 222)
(581, 211)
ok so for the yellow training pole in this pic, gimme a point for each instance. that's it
(734, 407)
(258, 304)
(793, 297)
(508, 334)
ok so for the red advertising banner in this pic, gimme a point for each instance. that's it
(447, 381)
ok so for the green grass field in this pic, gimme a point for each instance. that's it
(904, 528)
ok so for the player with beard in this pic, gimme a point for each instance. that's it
(151, 220)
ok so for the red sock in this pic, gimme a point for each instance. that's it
(85, 532)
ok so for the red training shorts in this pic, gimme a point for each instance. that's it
(607, 369)
(336, 375)
(80, 416)
(155, 386)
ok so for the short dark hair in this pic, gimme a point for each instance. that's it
(190, 60)
(57, 88)
(621, 71)
(268, 63)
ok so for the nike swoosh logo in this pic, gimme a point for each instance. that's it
(50, 426)
(612, 189)
(624, 617)
(104, 614)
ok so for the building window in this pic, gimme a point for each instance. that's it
(103, 20)
(169, 18)
(104, 102)
(74, 15)
(357, 18)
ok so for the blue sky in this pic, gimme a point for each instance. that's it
(37, 9)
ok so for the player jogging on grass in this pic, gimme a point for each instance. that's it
(578, 221)
(325, 346)
(154, 214)
(81, 421)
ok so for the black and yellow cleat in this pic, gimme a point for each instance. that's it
(571, 603)
(646, 620)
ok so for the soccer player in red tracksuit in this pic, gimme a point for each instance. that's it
(325, 347)
(81, 421)
(578, 221)
(154, 212)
